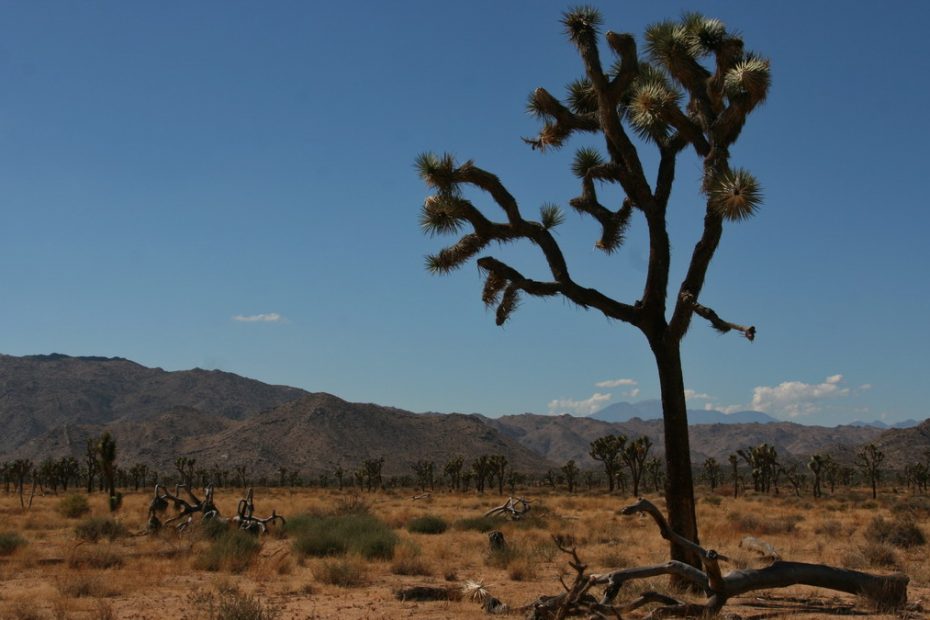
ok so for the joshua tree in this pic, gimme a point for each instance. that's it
(571, 471)
(106, 449)
(424, 471)
(607, 450)
(734, 473)
(453, 471)
(712, 472)
(634, 454)
(642, 96)
(372, 469)
(499, 470)
(483, 470)
(816, 464)
(869, 459)
(91, 465)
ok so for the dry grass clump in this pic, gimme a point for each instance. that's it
(85, 585)
(427, 524)
(93, 529)
(347, 572)
(830, 528)
(229, 603)
(902, 532)
(10, 542)
(73, 506)
(356, 532)
(232, 551)
(751, 523)
(478, 524)
(95, 557)
(408, 560)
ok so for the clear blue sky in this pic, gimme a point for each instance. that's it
(169, 169)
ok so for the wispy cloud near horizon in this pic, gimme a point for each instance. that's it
(271, 317)
(580, 407)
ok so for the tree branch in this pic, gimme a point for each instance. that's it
(719, 324)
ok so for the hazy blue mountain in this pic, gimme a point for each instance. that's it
(652, 410)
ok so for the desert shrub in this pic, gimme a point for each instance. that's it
(713, 500)
(352, 505)
(428, 524)
(830, 528)
(73, 506)
(213, 529)
(501, 557)
(80, 585)
(10, 542)
(901, 532)
(753, 523)
(345, 572)
(408, 560)
(95, 558)
(231, 604)
(358, 532)
(232, 551)
(915, 506)
(93, 529)
(480, 524)
(878, 554)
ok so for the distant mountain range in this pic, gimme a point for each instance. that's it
(652, 410)
(50, 405)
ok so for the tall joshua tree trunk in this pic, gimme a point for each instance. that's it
(636, 102)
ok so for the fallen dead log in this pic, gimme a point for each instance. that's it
(887, 592)
(514, 508)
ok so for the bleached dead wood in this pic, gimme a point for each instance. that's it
(513, 508)
(885, 591)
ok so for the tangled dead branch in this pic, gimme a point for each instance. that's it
(885, 591)
(244, 519)
(514, 508)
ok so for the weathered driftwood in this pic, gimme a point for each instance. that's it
(886, 591)
(244, 518)
(764, 549)
(513, 508)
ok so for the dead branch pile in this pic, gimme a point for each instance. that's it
(885, 591)
(244, 519)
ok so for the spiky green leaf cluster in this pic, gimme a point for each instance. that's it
(649, 105)
(669, 42)
(751, 76)
(585, 159)
(442, 213)
(582, 99)
(455, 256)
(735, 195)
(581, 21)
(705, 34)
(437, 171)
(551, 216)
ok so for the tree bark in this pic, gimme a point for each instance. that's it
(679, 485)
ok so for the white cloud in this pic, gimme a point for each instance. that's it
(692, 395)
(796, 398)
(271, 317)
(612, 383)
(581, 407)
(865, 386)
(634, 393)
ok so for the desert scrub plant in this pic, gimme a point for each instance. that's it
(231, 604)
(427, 524)
(73, 506)
(902, 532)
(232, 551)
(10, 542)
(93, 529)
(408, 560)
(346, 572)
(96, 557)
(359, 533)
(479, 524)
(754, 524)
